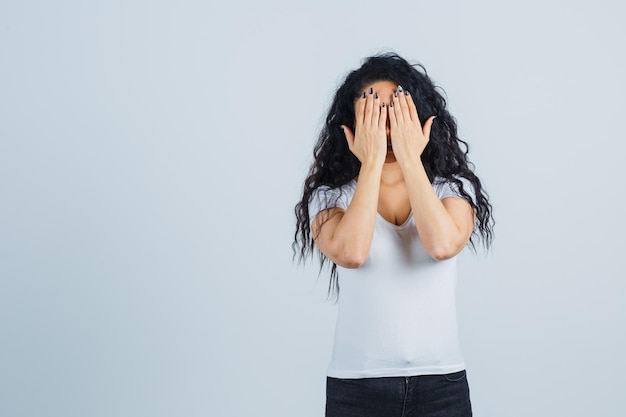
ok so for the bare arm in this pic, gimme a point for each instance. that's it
(444, 226)
(345, 236)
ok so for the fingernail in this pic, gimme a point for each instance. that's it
(391, 104)
(400, 88)
(371, 90)
(406, 92)
(383, 104)
(376, 95)
(363, 94)
(395, 94)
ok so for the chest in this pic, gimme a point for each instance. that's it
(393, 203)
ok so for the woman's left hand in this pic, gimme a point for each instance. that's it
(408, 137)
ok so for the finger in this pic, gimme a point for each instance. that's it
(393, 122)
(382, 119)
(411, 105)
(359, 108)
(428, 124)
(397, 109)
(349, 136)
(403, 98)
(369, 107)
(376, 110)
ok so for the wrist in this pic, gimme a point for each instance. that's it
(371, 168)
(413, 168)
(411, 163)
(372, 165)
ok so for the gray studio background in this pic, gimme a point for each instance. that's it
(151, 153)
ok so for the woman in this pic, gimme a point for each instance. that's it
(390, 200)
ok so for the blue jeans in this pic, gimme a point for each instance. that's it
(415, 396)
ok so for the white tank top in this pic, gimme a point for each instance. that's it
(397, 312)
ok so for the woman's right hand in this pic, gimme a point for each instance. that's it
(369, 140)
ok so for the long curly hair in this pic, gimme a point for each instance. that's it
(334, 165)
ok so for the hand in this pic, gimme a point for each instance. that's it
(369, 140)
(408, 137)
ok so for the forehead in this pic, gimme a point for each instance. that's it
(384, 88)
(382, 85)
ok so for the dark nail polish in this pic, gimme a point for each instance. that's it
(376, 95)
(391, 104)
(399, 88)
(395, 94)
(406, 93)
(363, 94)
(383, 104)
(371, 90)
